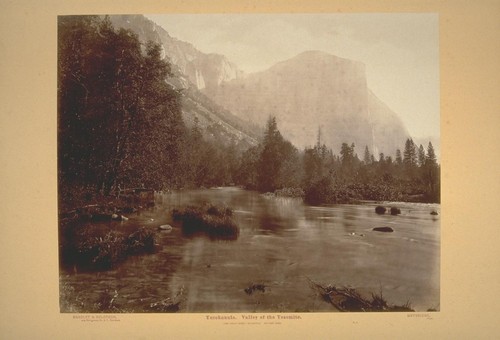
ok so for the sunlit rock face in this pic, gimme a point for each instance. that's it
(201, 69)
(192, 71)
(312, 90)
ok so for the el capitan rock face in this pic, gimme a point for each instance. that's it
(311, 90)
(314, 89)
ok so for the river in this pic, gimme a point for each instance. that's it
(283, 244)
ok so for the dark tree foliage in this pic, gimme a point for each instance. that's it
(431, 174)
(279, 161)
(119, 122)
(410, 154)
(421, 156)
(349, 180)
(367, 156)
(318, 163)
(246, 172)
(347, 156)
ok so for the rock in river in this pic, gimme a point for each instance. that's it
(380, 210)
(383, 229)
(165, 227)
(395, 211)
(119, 217)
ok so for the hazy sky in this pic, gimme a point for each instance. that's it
(400, 51)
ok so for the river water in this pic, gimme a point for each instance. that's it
(283, 244)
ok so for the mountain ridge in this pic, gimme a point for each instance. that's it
(214, 121)
(316, 89)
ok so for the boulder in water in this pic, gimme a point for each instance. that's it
(117, 217)
(383, 229)
(395, 211)
(165, 227)
(434, 212)
(380, 210)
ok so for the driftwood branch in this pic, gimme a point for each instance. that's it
(347, 299)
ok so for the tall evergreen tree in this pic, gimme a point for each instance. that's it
(366, 158)
(432, 173)
(410, 159)
(318, 162)
(410, 154)
(431, 155)
(247, 173)
(270, 158)
(347, 155)
(421, 156)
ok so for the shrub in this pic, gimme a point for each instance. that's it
(99, 252)
(141, 241)
(290, 192)
(327, 191)
(99, 248)
(216, 221)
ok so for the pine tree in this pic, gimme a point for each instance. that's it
(410, 159)
(366, 158)
(270, 158)
(421, 156)
(347, 155)
(410, 154)
(431, 155)
(432, 173)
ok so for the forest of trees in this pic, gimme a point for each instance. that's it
(120, 125)
(119, 122)
(325, 177)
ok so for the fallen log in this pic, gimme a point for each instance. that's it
(347, 299)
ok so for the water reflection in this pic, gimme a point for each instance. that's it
(282, 243)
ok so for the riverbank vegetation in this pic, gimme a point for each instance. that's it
(321, 176)
(90, 247)
(215, 221)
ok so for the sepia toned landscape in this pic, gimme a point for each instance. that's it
(187, 184)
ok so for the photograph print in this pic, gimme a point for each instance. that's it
(248, 163)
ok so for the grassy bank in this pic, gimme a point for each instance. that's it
(215, 221)
(89, 247)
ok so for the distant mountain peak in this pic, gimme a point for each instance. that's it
(314, 89)
(316, 55)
